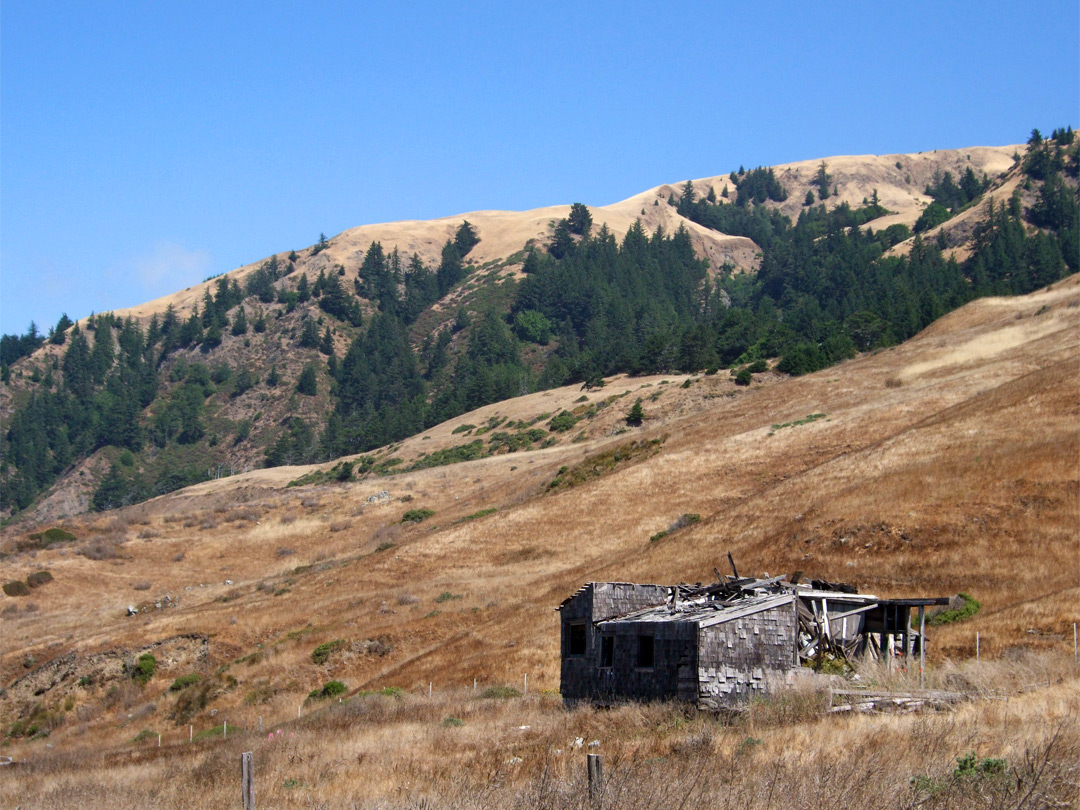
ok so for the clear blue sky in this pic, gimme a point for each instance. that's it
(146, 145)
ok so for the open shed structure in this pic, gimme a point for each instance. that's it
(720, 645)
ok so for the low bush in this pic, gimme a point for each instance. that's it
(321, 653)
(329, 689)
(500, 692)
(53, 535)
(417, 515)
(144, 668)
(969, 608)
(185, 681)
(16, 588)
(562, 422)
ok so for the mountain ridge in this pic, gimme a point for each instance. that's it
(221, 352)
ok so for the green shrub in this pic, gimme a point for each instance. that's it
(321, 653)
(185, 681)
(329, 689)
(970, 607)
(562, 422)
(39, 578)
(500, 692)
(757, 367)
(482, 513)
(416, 515)
(446, 596)
(16, 588)
(452, 722)
(143, 671)
(970, 766)
(145, 734)
(53, 535)
(744, 377)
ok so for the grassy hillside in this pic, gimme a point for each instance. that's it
(379, 333)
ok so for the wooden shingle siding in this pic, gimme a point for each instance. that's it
(742, 658)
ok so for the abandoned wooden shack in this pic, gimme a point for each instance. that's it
(720, 645)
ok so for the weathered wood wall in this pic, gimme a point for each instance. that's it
(740, 659)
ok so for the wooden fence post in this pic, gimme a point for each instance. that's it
(596, 777)
(247, 780)
(922, 647)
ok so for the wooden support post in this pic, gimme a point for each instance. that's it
(526, 684)
(260, 724)
(190, 733)
(225, 730)
(596, 777)
(976, 646)
(905, 638)
(1076, 650)
(247, 780)
(922, 647)
(159, 741)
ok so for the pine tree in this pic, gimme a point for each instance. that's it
(308, 381)
(239, 326)
(309, 334)
(636, 415)
(465, 238)
(580, 220)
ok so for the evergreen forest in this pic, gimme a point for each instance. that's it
(368, 358)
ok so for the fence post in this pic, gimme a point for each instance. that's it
(596, 777)
(922, 647)
(247, 780)
(526, 684)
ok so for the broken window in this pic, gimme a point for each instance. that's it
(644, 652)
(577, 640)
(607, 651)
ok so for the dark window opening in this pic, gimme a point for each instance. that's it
(607, 651)
(578, 640)
(644, 651)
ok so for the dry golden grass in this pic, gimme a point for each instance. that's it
(458, 750)
(961, 477)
